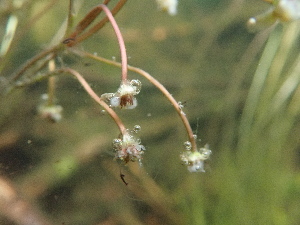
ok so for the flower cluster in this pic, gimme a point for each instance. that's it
(168, 5)
(50, 112)
(124, 97)
(195, 160)
(128, 148)
(281, 11)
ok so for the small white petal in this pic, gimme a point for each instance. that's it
(197, 167)
(115, 101)
(134, 104)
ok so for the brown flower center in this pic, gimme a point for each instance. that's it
(126, 100)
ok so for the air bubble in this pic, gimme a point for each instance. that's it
(138, 140)
(137, 85)
(187, 145)
(195, 136)
(136, 128)
(205, 152)
(140, 163)
(103, 111)
(117, 143)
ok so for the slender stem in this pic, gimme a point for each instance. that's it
(155, 83)
(172, 100)
(32, 61)
(51, 83)
(120, 40)
(91, 92)
(87, 20)
(94, 29)
(70, 16)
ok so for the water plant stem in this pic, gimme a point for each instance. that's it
(90, 18)
(157, 84)
(91, 93)
(120, 41)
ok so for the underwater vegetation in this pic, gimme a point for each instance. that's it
(149, 112)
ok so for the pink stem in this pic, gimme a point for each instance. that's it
(157, 84)
(90, 91)
(120, 40)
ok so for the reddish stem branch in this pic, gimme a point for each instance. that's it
(32, 61)
(155, 83)
(87, 20)
(91, 92)
(73, 41)
(120, 41)
(92, 16)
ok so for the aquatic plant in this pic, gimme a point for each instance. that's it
(67, 160)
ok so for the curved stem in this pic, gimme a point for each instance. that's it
(97, 27)
(157, 84)
(120, 40)
(177, 107)
(70, 18)
(91, 92)
(32, 61)
(86, 21)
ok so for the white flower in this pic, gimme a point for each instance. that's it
(128, 148)
(53, 113)
(168, 5)
(195, 160)
(124, 97)
(49, 111)
(287, 10)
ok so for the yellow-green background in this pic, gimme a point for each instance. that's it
(231, 83)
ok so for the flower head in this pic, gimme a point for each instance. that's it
(128, 148)
(195, 160)
(168, 5)
(50, 112)
(124, 97)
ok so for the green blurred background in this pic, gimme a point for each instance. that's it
(241, 97)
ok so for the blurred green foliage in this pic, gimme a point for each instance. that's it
(241, 96)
